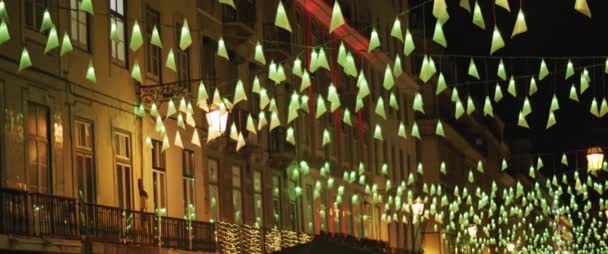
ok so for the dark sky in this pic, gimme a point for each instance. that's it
(555, 29)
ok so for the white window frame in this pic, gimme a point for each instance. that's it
(85, 150)
(79, 24)
(123, 164)
(118, 16)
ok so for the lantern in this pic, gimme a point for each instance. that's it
(217, 120)
(510, 247)
(472, 230)
(595, 158)
(418, 207)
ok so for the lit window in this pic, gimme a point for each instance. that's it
(276, 201)
(154, 65)
(257, 199)
(118, 19)
(39, 152)
(124, 174)
(79, 25)
(85, 165)
(159, 177)
(188, 168)
(237, 203)
(214, 208)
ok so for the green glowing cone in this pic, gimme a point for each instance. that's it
(333, 98)
(90, 76)
(526, 108)
(281, 19)
(259, 54)
(378, 132)
(480, 167)
(326, 138)
(594, 109)
(532, 172)
(362, 85)
(397, 69)
(415, 132)
(321, 108)
(228, 2)
(221, 49)
(358, 104)
(336, 17)
(564, 159)
(380, 108)
(503, 165)
(573, 94)
(290, 137)
(473, 69)
(202, 96)
(497, 41)
(471, 177)
(543, 71)
(488, 110)
(351, 68)
(66, 45)
(478, 17)
(47, 22)
(322, 59)
(512, 89)
(466, 5)
(396, 30)
(427, 71)
(439, 36)
(294, 105)
(550, 120)
(137, 39)
(554, 104)
(504, 4)
(392, 102)
(52, 41)
(443, 170)
(584, 84)
(185, 39)
(520, 24)
(401, 132)
(274, 121)
(439, 129)
(418, 103)
(582, 7)
(87, 6)
(171, 109)
(297, 67)
(420, 168)
(305, 82)
(533, 88)
(25, 61)
(264, 100)
(136, 72)
(170, 63)
(341, 55)
(501, 73)
(441, 84)
(521, 121)
(239, 93)
(346, 117)
(440, 11)
(603, 108)
(389, 81)
(374, 40)
(155, 38)
(470, 106)
(459, 111)
(569, 69)
(408, 45)
(4, 32)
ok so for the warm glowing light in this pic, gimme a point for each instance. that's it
(217, 120)
(418, 208)
(595, 158)
(472, 230)
(510, 247)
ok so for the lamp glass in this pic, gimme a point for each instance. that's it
(595, 158)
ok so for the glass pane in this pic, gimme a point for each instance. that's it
(121, 191)
(259, 211)
(212, 166)
(42, 122)
(236, 203)
(42, 153)
(163, 198)
(128, 187)
(213, 203)
(257, 181)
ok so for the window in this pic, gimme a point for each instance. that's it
(182, 60)
(118, 19)
(159, 181)
(257, 199)
(237, 203)
(122, 156)
(214, 208)
(207, 66)
(154, 65)
(85, 165)
(188, 168)
(79, 25)
(39, 150)
(276, 201)
(34, 10)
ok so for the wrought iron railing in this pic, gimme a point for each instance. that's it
(43, 215)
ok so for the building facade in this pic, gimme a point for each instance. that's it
(82, 173)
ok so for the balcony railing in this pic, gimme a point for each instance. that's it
(42, 215)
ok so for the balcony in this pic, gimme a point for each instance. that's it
(277, 42)
(47, 216)
(239, 24)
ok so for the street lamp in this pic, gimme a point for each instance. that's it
(510, 247)
(217, 119)
(418, 207)
(472, 230)
(595, 158)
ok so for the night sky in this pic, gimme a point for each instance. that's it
(555, 29)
